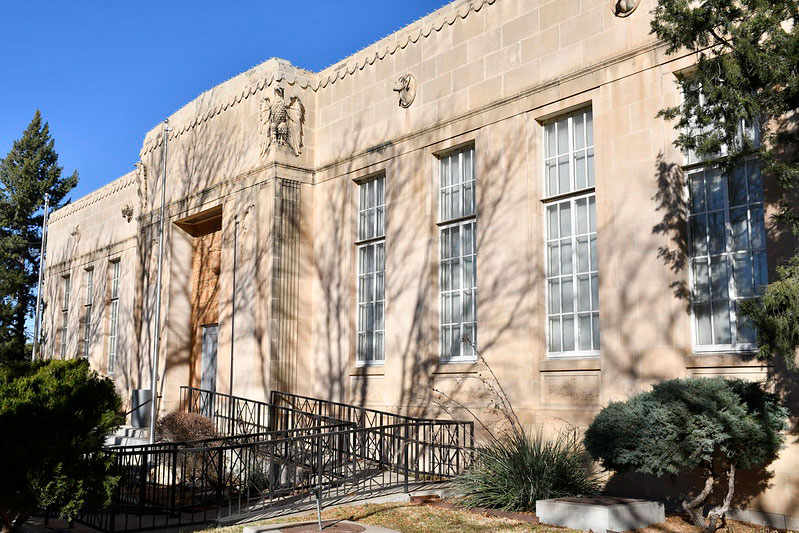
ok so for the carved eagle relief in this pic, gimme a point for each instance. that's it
(281, 123)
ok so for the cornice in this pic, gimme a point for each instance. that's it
(115, 186)
(399, 40)
(277, 70)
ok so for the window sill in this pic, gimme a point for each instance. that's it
(567, 363)
(455, 367)
(371, 369)
(723, 359)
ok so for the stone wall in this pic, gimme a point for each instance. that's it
(489, 74)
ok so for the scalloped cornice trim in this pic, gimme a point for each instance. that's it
(277, 70)
(115, 186)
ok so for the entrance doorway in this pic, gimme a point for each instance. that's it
(209, 349)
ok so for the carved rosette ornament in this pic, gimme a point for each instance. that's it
(406, 88)
(624, 8)
(281, 123)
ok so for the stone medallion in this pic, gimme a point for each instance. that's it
(624, 8)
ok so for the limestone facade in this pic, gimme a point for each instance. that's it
(264, 201)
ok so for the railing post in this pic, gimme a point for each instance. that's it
(405, 457)
(220, 482)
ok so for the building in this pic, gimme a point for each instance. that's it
(494, 170)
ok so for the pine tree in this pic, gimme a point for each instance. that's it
(746, 77)
(28, 172)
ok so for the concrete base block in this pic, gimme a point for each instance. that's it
(600, 514)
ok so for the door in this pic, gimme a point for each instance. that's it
(208, 383)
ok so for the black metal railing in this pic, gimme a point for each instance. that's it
(283, 452)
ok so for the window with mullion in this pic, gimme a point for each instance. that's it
(371, 209)
(572, 277)
(458, 279)
(728, 254)
(112, 331)
(370, 347)
(87, 313)
(458, 256)
(571, 236)
(457, 185)
(65, 316)
(569, 153)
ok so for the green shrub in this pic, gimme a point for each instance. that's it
(54, 417)
(775, 316)
(515, 470)
(714, 424)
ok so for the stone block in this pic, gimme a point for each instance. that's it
(600, 514)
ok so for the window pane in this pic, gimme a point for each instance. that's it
(565, 257)
(703, 332)
(740, 230)
(551, 170)
(761, 271)
(579, 131)
(590, 167)
(595, 292)
(565, 219)
(582, 254)
(698, 192)
(719, 278)
(701, 281)
(583, 293)
(549, 140)
(758, 228)
(568, 333)
(737, 186)
(715, 194)
(563, 136)
(595, 324)
(755, 182)
(564, 179)
(554, 334)
(746, 333)
(580, 173)
(554, 296)
(553, 254)
(743, 276)
(721, 323)
(584, 332)
(699, 234)
(582, 216)
(552, 221)
(717, 233)
(567, 294)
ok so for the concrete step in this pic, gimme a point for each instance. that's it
(128, 436)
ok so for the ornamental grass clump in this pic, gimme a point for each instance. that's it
(512, 471)
(716, 425)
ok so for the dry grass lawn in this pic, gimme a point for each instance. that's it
(410, 518)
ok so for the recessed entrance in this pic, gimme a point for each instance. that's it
(206, 231)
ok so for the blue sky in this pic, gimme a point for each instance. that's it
(104, 73)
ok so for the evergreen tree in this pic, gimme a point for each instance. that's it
(746, 78)
(27, 173)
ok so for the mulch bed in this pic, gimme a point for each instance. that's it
(436, 501)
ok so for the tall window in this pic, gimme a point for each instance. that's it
(728, 249)
(65, 316)
(572, 266)
(112, 331)
(371, 271)
(87, 312)
(458, 269)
